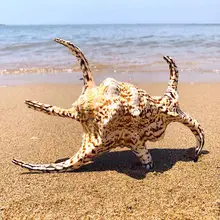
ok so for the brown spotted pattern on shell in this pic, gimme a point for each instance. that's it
(117, 114)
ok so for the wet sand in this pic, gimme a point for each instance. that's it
(111, 187)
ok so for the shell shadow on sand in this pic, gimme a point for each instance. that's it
(126, 162)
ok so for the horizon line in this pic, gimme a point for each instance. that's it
(156, 23)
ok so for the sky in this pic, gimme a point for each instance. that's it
(108, 11)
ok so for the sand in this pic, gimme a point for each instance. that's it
(111, 187)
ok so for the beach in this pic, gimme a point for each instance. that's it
(112, 187)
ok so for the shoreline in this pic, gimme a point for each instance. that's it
(74, 78)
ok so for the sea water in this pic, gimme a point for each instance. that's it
(123, 51)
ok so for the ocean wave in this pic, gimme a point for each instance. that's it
(21, 46)
(153, 67)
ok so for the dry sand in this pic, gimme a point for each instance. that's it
(111, 187)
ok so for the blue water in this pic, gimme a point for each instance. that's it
(110, 48)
